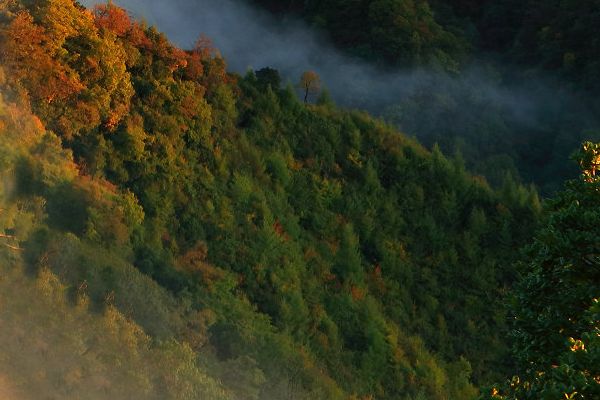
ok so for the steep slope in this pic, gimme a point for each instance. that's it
(55, 341)
(51, 349)
(299, 250)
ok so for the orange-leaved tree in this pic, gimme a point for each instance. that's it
(310, 83)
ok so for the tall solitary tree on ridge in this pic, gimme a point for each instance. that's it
(310, 83)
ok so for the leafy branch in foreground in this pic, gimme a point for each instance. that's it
(555, 307)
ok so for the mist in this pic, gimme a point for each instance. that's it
(432, 105)
(249, 38)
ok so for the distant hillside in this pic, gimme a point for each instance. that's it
(550, 34)
(515, 83)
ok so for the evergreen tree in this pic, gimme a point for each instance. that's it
(555, 307)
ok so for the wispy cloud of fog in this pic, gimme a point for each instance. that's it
(249, 38)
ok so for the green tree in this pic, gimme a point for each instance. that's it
(555, 307)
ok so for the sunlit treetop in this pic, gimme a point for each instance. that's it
(589, 160)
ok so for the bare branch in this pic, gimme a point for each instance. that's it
(13, 247)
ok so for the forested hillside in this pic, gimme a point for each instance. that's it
(511, 85)
(174, 230)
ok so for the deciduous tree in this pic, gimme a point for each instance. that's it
(310, 83)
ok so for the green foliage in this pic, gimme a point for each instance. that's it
(51, 348)
(288, 250)
(554, 36)
(397, 32)
(406, 30)
(555, 305)
(268, 77)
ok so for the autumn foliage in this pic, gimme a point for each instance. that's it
(27, 55)
(310, 83)
(235, 241)
(108, 16)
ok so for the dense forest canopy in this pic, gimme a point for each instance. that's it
(178, 231)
